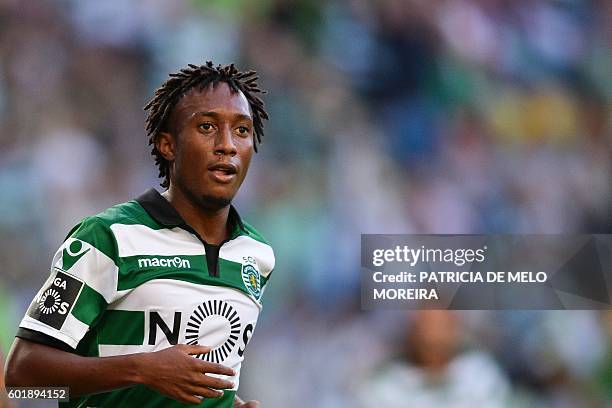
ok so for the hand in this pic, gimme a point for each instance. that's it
(173, 372)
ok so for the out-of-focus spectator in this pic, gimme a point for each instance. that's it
(437, 370)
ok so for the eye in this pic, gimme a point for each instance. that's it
(206, 126)
(243, 130)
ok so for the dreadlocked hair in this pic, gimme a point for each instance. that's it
(166, 97)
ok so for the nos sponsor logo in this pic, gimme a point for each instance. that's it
(216, 317)
(176, 262)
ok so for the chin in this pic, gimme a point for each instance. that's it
(209, 199)
(214, 202)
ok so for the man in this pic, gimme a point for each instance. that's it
(436, 370)
(152, 302)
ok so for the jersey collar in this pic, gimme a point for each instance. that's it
(165, 214)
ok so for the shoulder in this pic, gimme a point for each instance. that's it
(254, 244)
(96, 230)
(129, 212)
(255, 234)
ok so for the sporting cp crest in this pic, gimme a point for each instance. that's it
(250, 277)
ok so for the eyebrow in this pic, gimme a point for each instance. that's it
(216, 115)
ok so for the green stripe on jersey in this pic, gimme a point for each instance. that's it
(96, 234)
(139, 269)
(89, 306)
(124, 327)
(129, 213)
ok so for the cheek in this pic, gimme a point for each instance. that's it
(246, 157)
(190, 159)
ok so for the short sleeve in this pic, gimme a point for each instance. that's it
(81, 284)
(266, 270)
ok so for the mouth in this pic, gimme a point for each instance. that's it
(223, 172)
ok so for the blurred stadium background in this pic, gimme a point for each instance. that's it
(387, 116)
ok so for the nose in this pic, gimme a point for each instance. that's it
(224, 142)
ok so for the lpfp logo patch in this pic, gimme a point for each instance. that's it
(53, 303)
(250, 276)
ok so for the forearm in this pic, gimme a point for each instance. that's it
(31, 364)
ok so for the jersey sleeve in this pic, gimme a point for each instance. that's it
(267, 267)
(81, 284)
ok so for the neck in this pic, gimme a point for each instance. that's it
(209, 223)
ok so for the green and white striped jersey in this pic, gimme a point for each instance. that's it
(137, 278)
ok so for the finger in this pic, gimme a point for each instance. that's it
(188, 398)
(196, 349)
(216, 383)
(251, 404)
(215, 368)
(205, 392)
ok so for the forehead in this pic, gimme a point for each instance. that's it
(217, 98)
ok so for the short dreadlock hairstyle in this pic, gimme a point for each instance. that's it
(173, 89)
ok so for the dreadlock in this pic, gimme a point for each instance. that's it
(179, 83)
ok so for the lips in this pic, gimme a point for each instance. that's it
(223, 172)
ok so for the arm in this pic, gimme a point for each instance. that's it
(172, 371)
(4, 402)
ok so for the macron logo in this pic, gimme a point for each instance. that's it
(176, 262)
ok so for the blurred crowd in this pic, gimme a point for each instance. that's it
(387, 116)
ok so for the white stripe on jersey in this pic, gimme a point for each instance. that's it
(166, 294)
(235, 249)
(93, 267)
(108, 350)
(141, 240)
(72, 329)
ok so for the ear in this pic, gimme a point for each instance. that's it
(166, 145)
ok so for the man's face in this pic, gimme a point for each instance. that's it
(210, 144)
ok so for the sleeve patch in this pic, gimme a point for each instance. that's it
(55, 300)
